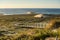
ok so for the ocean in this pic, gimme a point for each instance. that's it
(24, 10)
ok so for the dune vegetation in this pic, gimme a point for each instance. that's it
(10, 30)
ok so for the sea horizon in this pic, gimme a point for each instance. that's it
(25, 10)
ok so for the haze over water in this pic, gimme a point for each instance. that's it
(24, 10)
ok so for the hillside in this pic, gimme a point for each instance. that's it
(11, 29)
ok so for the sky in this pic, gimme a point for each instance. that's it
(29, 3)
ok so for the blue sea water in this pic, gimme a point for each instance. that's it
(24, 10)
